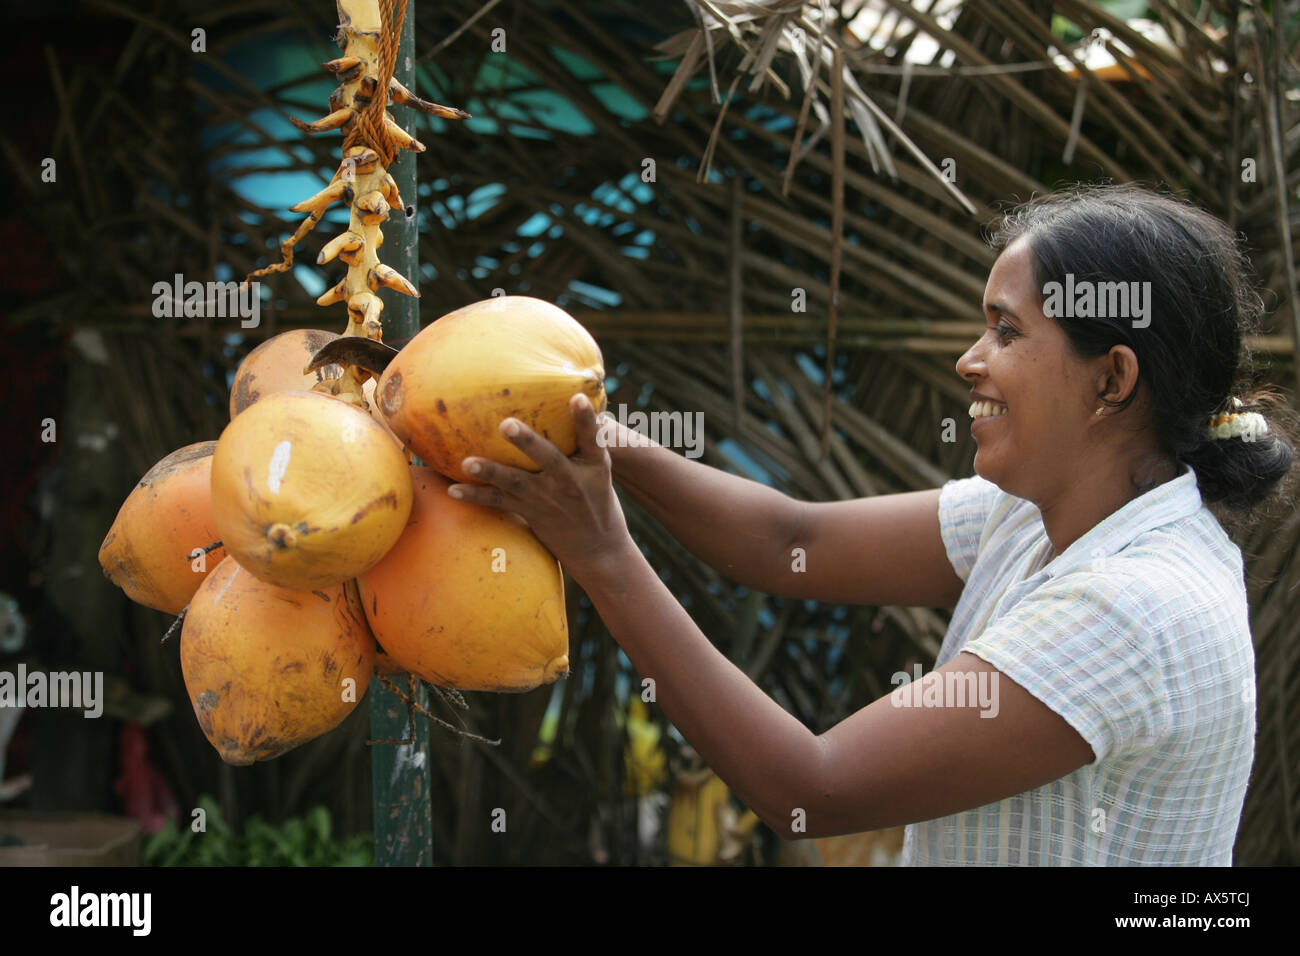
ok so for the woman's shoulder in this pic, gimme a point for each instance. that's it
(1173, 603)
(976, 516)
(1136, 648)
(1187, 570)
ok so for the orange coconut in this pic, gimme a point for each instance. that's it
(268, 669)
(447, 391)
(468, 597)
(385, 666)
(308, 491)
(149, 552)
(276, 366)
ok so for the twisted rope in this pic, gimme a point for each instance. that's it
(368, 125)
(366, 128)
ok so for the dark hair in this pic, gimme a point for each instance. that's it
(1192, 357)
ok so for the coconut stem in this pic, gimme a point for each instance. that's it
(176, 623)
(413, 707)
(371, 137)
(281, 535)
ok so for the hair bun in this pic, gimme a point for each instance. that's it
(1241, 457)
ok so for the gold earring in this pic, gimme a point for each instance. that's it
(1099, 408)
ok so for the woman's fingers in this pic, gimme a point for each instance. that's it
(479, 495)
(541, 451)
(506, 486)
(588, 426)
(503, 477)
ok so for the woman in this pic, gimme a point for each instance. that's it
(1095, 595)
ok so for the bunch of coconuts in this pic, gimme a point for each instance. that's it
(339, 556)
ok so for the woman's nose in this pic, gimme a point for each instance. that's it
(972, 361)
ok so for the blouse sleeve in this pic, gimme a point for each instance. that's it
(1083, 650)
(964, 508)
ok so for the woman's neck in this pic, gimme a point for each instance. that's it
(1088, 501)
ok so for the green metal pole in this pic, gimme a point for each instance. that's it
(401, 775)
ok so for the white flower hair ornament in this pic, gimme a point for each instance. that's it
(1245, 425)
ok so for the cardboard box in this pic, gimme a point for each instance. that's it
(68, 839)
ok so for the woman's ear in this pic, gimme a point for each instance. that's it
(1119, 374)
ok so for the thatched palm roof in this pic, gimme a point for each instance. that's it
(687, 281)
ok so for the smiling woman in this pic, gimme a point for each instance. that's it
(1149, 305)
(1093, 700)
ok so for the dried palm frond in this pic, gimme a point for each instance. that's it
(685, 284)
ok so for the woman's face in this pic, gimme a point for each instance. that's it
(1046, 396)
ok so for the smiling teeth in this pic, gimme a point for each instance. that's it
(980, 409)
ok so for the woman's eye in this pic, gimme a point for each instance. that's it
(1004, 331)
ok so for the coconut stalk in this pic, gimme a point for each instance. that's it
(368, 35)
(401, 776)
(375, 35)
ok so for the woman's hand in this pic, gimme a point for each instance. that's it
(570, 504)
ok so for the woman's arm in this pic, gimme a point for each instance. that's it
(884, 765)
(740, 527)
(881, 550)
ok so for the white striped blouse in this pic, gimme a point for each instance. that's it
(1138, 636)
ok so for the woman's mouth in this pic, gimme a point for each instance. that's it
(983, 409)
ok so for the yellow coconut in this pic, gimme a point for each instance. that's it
(276, 366)
(149, 552)
(368, 390)
(268, 669)
(308, 491)
(447, 391)
(468, 597)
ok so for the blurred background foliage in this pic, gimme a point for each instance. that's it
(308, 840)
